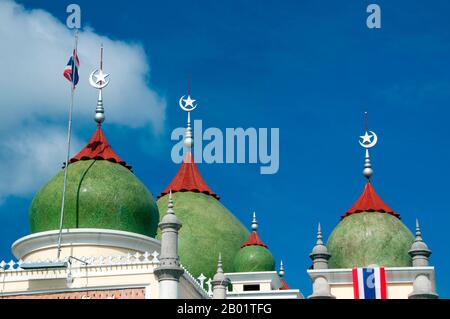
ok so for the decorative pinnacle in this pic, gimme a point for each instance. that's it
(188, 140)
(254, 222)
(219, 264)
(418, 232)
(170, 204)
(219, 278)
(368, 171)
(319, 235)
(419, 250)
(99, 110)
(281, 272)
(368, 141)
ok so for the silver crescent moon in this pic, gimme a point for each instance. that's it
(95, 85)
(374, 142)
(184, 108)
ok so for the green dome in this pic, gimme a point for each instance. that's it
(370, 238)
(100, 194)
(254, 258)
(208, 229)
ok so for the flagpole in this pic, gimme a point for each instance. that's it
(69, 135)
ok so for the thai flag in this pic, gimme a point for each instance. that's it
(71, 69)
(369, 283)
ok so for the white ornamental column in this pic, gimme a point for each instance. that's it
(169, 270)
(220, 282)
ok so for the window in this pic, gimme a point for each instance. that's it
(251, 287)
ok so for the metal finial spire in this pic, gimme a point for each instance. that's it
(97, 79)
(368, 140)
(281, 272)
(254, 222)
(189, 84)
(101, 56)
(170, 204)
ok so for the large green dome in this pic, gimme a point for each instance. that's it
(370, 238)
(208, 229)
(254, 258)
(100, 194)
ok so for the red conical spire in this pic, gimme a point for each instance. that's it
(188, 179)
(98, 148)
(369, 201)
(254, 240)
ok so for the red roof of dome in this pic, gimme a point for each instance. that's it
(253, 240)
(188, 179)
(98, 148)
(369, 201)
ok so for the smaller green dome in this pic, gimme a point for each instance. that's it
(254, 258)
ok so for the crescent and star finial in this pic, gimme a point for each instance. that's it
(99, 80)
(367, 141)
(188, 106)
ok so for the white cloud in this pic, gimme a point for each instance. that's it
(35, 47)
(30, 157)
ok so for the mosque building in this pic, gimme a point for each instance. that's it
(111, 238)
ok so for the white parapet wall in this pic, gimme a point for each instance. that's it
(99, 263)
(118, 276)
(82, 242)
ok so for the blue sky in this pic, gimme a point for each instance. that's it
(309, 68)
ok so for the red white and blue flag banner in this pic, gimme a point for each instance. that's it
(71, 69)
(369, 283)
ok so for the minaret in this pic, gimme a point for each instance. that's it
(320, 256)
(169, 271)
(220, 282)
(419, 252)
